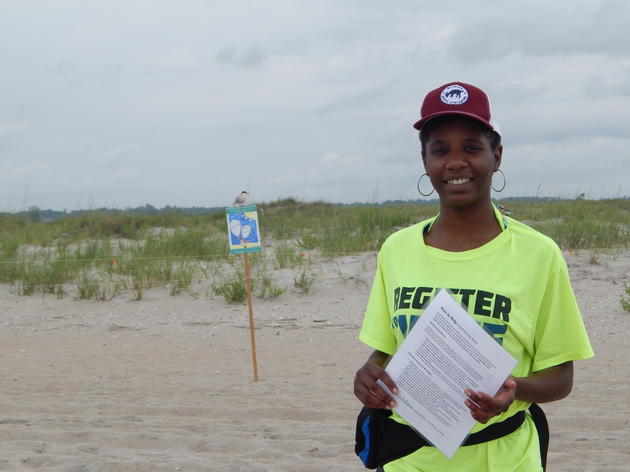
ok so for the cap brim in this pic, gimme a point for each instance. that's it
(420, 123)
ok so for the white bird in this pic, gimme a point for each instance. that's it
(240, 198)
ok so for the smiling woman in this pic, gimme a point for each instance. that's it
(461, 146)
(511, 279)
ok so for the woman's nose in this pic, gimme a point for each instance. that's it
(456, 161)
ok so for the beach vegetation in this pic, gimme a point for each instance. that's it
(287, 255)
(625, 300)
(234, 289)
(304, 280)
(137, 288)
(101, 254)
(180, 277)
(268, 289)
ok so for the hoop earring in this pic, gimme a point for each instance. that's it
(504, 182)
(418, 186)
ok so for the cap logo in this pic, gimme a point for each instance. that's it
(454, 95)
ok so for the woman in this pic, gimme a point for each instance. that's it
(512, 279)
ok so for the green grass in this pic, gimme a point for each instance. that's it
(182, 276)
(287, 255)
(268, 289)
(578, 224)
(304, 280)
(625, 302)
(233, 290)
(102, 254)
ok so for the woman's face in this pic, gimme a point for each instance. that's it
(459, 160)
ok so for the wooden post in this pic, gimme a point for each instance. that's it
(251, 314)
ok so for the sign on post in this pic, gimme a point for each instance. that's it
(245, 238)
(243, 229)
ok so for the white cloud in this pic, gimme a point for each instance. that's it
(568, 168)
(252, 56)
(189, 102)
(540, 28)
(11, 129)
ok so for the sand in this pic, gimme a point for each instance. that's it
(165, 383)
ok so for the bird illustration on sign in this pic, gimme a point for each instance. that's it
(243, 229)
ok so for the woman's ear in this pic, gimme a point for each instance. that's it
(424, 159)
(498, 154)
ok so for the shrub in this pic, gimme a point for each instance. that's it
(234, 290)
(268, 290)
(304, 280)
(87, 286)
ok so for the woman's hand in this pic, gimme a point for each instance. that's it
(367, 390)
(483, 406)
(548, 385)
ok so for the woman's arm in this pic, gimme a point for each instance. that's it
(554, 383)
(544, 386)
(365, 387)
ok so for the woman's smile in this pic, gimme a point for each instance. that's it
(459, 181)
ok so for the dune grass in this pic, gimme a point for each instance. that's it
(625, 299)
(99, 255)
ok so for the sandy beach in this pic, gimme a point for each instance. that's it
(165, 383)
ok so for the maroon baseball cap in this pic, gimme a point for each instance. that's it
(457, 98)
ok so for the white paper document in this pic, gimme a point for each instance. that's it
(445, 353)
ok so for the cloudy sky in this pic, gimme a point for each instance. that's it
(187, 102)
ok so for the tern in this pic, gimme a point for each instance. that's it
(240, 198)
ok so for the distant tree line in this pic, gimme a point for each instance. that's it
(35, 213)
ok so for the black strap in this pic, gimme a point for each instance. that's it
(540, 420)
(496, 430)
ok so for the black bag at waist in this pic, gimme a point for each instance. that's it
(380, 440)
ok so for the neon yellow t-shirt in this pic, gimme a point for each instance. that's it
(516, 287)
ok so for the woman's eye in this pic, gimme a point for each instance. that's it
(471, 149)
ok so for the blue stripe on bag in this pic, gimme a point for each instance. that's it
(365, 429)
